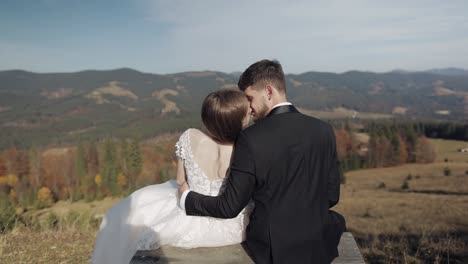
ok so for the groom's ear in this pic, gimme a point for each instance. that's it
(269, 91)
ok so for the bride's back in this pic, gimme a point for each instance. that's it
(212, 158)
(205, 161)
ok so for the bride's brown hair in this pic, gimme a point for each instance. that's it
(223, 112)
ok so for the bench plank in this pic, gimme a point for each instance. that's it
(348, 250)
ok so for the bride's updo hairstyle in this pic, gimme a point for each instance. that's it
(223, 112)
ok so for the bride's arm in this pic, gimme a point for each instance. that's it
(180, 178)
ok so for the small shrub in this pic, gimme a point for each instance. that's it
(83, 220)
(98, 180)
(121, 180)
(405, 185)
(51, 221)
(8, 215)
(366, 213)
(31, 221)
(13, 196)
(99, 196)
(445, 160)
(76, 196)
(447, 171)
(89, 198)
(12, 180)
(409, 177)
(381, 185)
(71, 219)
(466, 172)
(44, 197)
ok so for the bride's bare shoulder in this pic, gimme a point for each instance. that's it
(198, 135)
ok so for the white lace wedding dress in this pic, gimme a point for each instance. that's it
(150, 217)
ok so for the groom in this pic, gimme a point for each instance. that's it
(287, 164)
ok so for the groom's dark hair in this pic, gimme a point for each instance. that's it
(266, 71)
(223, 112)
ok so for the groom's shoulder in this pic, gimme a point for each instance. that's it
(303, 119)
(317, 122)
(253, 130)
(291, 121)
(317, 125)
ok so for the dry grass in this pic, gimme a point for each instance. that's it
(3, 244)
(64, 246)
(114, 89)
(64, 233)
(428, 222)
(373, 210)
(169, 106)
(61, 208)
(448, 149)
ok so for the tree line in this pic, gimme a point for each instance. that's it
(388, 144)
(90, 170)
(114, 167)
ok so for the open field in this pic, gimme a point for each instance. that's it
(427, 222)
(414, 213)
(448, 149)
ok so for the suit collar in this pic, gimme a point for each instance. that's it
(283, 109)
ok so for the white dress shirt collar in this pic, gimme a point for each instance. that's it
(281, 104)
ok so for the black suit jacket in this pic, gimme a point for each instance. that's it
(287, 164)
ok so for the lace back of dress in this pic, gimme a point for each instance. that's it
(193, 140)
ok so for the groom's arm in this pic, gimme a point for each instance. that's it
(239, 187)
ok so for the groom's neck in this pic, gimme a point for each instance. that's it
(278, 100)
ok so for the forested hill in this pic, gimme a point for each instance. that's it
(63, 107)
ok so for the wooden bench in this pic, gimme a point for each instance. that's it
(348, 250)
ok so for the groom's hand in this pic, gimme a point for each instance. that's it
(183, 187)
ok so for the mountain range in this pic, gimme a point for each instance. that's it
(44, 108)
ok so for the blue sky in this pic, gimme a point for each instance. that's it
(167, 36)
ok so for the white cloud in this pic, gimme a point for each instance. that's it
(308, 35)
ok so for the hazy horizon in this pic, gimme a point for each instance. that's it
(232, 72)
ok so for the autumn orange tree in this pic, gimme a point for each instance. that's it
(3, 168)
(44, 197)
(425, 150)
(395, 144)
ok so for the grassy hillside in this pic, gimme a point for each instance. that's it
(57, 108)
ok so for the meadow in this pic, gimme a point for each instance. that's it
(413, 213)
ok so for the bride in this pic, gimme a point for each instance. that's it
(151, 217)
